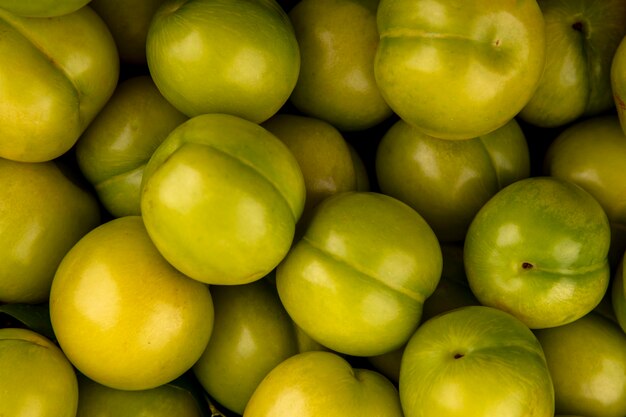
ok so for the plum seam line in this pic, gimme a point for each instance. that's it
(415, 296)
(36, 45)
(244, 163)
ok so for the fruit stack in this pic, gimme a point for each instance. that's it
(281, 208)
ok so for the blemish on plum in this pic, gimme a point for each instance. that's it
(458, 355)
(497, 42)
(527, 265)
(578, 26)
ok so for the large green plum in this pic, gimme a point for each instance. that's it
(125, 317)
(475, 361)
(356, 281)
(220, 199)
(97, 400)
(587, 361)
(252, 334)
(592, 154)
(57, 74)
(223, 56)
(581, 39)
(447, 182)
(459, 69)
(36, 379)
(116, 146)
(43, 213)
(338, 41)
(42, 8)
(128, 21)
(323, 384)
(539, 250)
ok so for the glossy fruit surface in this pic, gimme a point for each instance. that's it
(61, 84)
(220, 56)
(114, 150)
(592, 154)
(356, 281)
(42, 8)
(459, 69)
(124, 316)
(323, 383)
(220, 199)
(338, 41)
(36, 379)
(42, 215)
(475, 361)
(539, 250)
(445, 181)
(587, 361)
(581, 39)
(252, 334)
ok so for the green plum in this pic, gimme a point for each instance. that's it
(42, 8)
(323, 384)
(97, 400)
(322, 152)
(125, 317)
(592, 154)
(115, 147)
(338, 41)
(538, 249)
(459, 69)
(446, 181)
(356, 281)
(223, 56)
(128, 21)
(220, 199)
(36, 379)
(587, 361)
(57, 74)
(475, 361)
(581, 39)
(252, 334)
(43, 213)
(452, 292)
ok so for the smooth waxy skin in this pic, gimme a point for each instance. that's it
(322, 153)
(357, 279)
(587, 361)
(97, 400)
(114, 149)
(42, 8)
(253, 333)
(128, 21)
(452, 292)
(42, 215)
(459, 69)
(338, 41)
(581, 39)
(125, 317)
(592, 154)
(475, 361)
(220, 199)
(62, 83)
(36, 379)
(538, 249)
(445, 181)
(219, 56)
(322, 383)
(618, 82)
